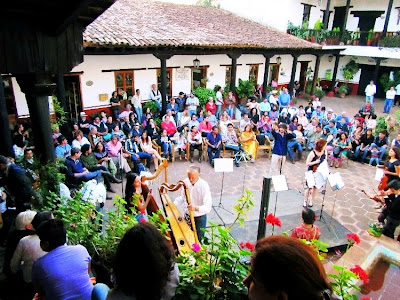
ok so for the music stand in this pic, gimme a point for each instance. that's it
(280, 184)
(336, 182)
(222, 165)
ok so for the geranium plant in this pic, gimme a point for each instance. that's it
(216, 269)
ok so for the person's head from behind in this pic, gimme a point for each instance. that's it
(52, 234)
(4, 162)
(24, 220)
(320, 145)
(285, 268)
(154, 259)
(41, 217)
(308, 216)
(394, 186)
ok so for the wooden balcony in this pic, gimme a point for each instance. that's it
(335, 37)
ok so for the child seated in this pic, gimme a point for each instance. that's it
(307, 230)
(181, 144)
(375, 153)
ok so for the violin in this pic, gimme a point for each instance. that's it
(377, 198)
(384, 181)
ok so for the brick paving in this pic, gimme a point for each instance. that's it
(352, 209)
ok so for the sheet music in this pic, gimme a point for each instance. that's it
(323, 169)
(379, 174)
(335, 181)
(319, 179)
(223, 165)
(280, 183)
(310, 179)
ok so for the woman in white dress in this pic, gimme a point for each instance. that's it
(147, 146)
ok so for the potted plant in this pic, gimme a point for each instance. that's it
(203, 94)
(244, 90)
(370, 36)
(319, 93)
(343, 90)
(349, 71)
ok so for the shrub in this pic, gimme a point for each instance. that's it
(344, 88)
(152, 105)
(319, 93)
(245, 89)
(392, 41)
(203, 94)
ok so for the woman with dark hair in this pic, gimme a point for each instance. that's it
(145, 250)
(254, 117)
(147, 146)
(249, 142)
(314, 159)
(307, 230)
(136, 197)
(152, 129)
(101, 154)
(115, 104)
(294, 123)
(285, 268)
(392, 165)
(340, 148)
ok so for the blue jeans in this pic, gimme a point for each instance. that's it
(382, 149)
(218, 112)
(100, 291)
(291, 145)
(230, 112)
(167, 148)
(192, 112)
(89, 176)
(388, 106)
(143, 155)
(139, 112)
(235, 149)
(370, 99)
(357, 152)
(212, 155)
(200, 222)
(374, 159)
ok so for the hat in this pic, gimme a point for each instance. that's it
(137, 124)
(83, 114)
(274, 92)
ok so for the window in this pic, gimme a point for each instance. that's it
(199, 77)
(124, 80)
(228, 72)
(9, 95)
(306, 14)
(253, 73)
(169, 80)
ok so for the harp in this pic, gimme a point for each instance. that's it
(183, 236)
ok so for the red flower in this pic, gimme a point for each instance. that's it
(196, 247)
(73, 225)
(353, 238)
(250, 246)
(366, 298)
(142, 211)
(142, 220)
(271, 219)
(242, 245)
(361, 274)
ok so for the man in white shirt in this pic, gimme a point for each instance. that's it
(155, 95)
(244, 122)
(200, 196)
(137, 104)
(397, 97)
(370, 92)
(390, 94)
(193, 102)
(219, 100)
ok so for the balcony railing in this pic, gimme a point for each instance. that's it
(333, 37)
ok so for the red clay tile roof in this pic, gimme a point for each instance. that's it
(146, 23)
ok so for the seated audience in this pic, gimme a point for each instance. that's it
(332, 128)
(264, 106)
(297, 274)
(63, 150)
(118, 132)
(101, 154)
(232, 142)
(244, 122)
(166, 145)
(356, 137)
(84, 124)
(214, 141)
(147, 146)
(194, 122)
(367, 111)
(132, 146)
(205, 127)
(265, 124)
(127, 127)
(249, 142)
(309, 110)
(195, 143)
(365, 142)
(254, 117)
(396, 142)
(296, 143)
(152, 129)
(307, 230)
(342, 126)
(94, 138)
(137, 130)
(79, 140)
(341, 146)
(274, 113)
(169, 126)
(173, 107)
(118, 154)
(313, 136)
(102, 129)
(181, 144)
(382, 142)
(183, 121)
(303, 119)
(63, 273)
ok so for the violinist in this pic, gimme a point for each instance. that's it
(390, 215)
(314, 159)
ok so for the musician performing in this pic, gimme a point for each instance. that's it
(314, 159)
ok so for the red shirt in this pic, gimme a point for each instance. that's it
(205, 127)
(308, 234)
(211, 107)
(169, 127)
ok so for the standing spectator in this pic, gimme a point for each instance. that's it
(307, 230)
(115, 102)
(63, 149)
(230, 104)
(211, 106)
(181, 103)
(370, 91)
(137, 105)
(219, 101)
(63, 273)
(214, 141)
(265, 106)
(193, 103)
(390, 94)
(155, 96)
(200, 196)
(195, 142)
(274, 83)
(173, 107)
(84, 124)
(280, 150)
(284, 99)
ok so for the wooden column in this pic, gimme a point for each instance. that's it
(6, 144)
(293, 74)
(65, 129)
(335, 69)
(163, 88)
(37, 88)
(234, 58)
(326, 14)
(346, 13)
(266, 71)
(389, 10)
(314, 83)
(376, 70)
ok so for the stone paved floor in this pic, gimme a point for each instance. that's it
(352, 208)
